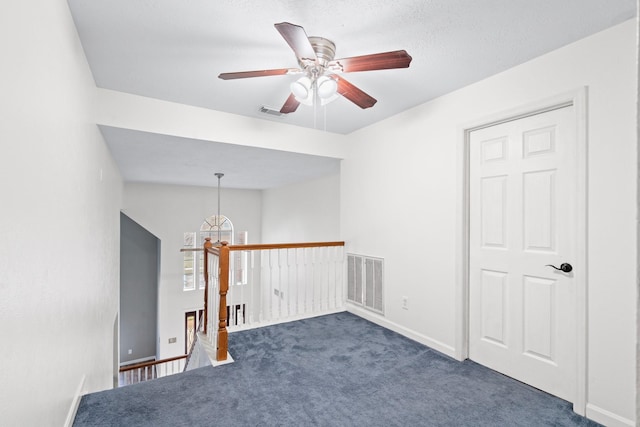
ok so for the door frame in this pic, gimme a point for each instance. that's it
(578, 99)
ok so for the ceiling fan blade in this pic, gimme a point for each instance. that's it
(376, 61)
(297, 39)
(353, 94)
(290, 105)
(258, 73)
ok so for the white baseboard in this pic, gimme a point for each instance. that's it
(71, 415)
(607, 418)
(385, 323)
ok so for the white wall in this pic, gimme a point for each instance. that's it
(168, 211)
(128, 111)
(59, 240)
(407, 214)
(302, 212)
(638, 220)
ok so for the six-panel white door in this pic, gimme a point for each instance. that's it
(522, 213)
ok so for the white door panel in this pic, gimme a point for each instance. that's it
(522, 215)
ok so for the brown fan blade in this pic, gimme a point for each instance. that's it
(290, 105)
(258, 73)
(353, 94)
(376, 61)
(297, 39)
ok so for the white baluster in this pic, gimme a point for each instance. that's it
(251, 284)
(270, 271)
(291, 286)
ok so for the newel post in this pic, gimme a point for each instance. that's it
(207, 245)
(223, 339)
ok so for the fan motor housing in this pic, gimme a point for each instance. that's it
(325, 49)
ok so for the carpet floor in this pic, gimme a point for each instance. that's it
(334, 370)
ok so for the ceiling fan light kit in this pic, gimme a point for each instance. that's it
(305, 90)
(301, 87)
(321, 81)
(326, 87)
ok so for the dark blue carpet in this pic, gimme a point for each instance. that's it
(335, 370)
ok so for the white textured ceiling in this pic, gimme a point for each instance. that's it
(175, 49)
(164, 159)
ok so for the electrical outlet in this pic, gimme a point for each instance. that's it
(405, 303)
(130, 351)
(173, 340)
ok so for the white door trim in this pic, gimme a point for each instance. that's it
(577, 98)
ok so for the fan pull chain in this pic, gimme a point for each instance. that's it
(325, 117)
(314, 116)
(316, 99)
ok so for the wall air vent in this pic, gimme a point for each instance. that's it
(271, 111)
(364, 282)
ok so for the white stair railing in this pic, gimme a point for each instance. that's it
(269, 283)
(287, 283)
(146, 371)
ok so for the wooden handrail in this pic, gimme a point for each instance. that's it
(151, 363)
(264, 246)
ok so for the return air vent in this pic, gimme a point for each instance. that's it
(270, 111)
(364, 281)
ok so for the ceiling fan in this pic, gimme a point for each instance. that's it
(321, 80)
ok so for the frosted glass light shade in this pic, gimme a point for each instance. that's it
(327, 87)
(301, 88)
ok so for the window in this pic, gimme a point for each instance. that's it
(189, 259)
(219, 229)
